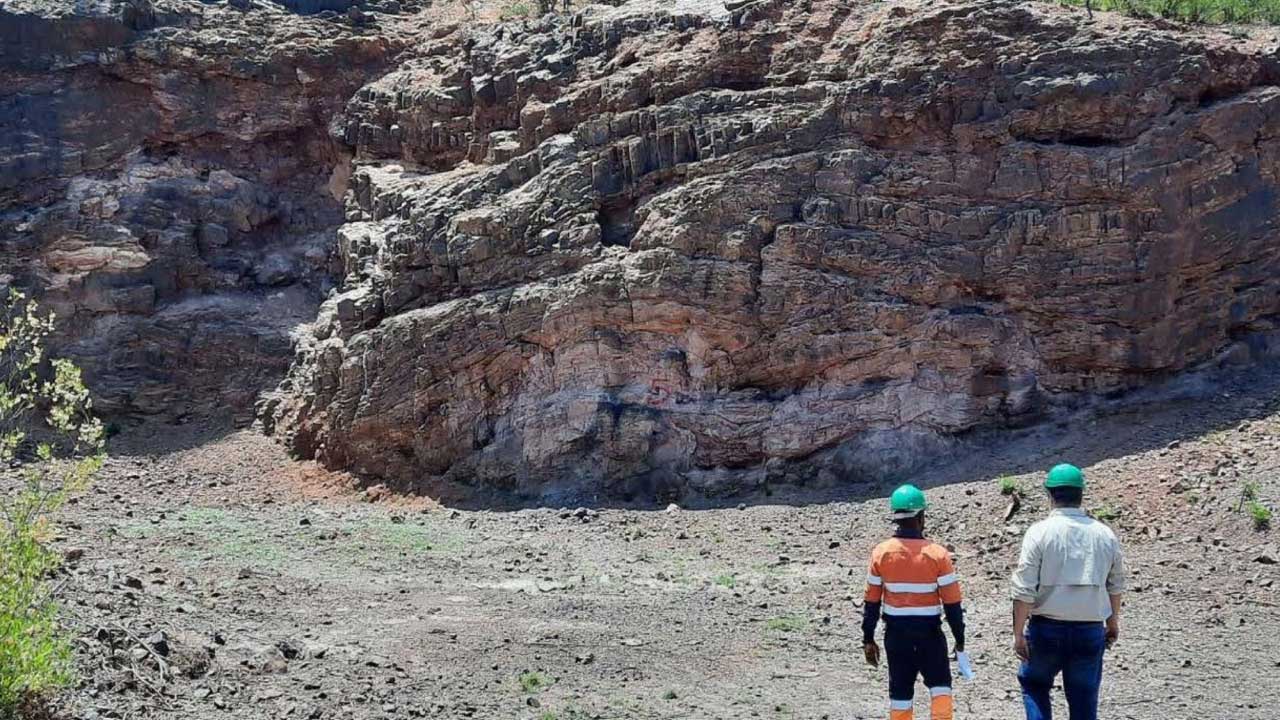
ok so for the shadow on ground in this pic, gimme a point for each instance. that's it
(1187, 406)
(149, 438)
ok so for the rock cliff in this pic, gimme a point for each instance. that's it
(683, 247)
(652, 249)
(167, 186)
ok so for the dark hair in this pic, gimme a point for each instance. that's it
(915, 522)
(1067, 496)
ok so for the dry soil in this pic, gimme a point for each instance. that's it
(212, 577)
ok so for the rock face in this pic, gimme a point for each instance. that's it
(690, 249)
(165, 175)
(663, 248)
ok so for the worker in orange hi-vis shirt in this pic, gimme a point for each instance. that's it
(912, 581)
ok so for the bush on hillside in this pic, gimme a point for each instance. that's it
(50, 446)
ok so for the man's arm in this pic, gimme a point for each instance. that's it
(1021, 611)
(870, 618)
(871, 613)
(955, 619)
(1026, 584)
(949, 592)
(1113, 622)
(1117, 583)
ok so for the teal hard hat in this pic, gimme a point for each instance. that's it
(1064, 475)
(906, 502)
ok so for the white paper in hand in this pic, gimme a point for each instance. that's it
(966, 670)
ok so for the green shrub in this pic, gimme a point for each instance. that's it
(35, 652)
(1009, 485)
(1260, 513)
(727, 581)
(786, 624)
(1106, 513)
(516, 11)
(533, 681)
(1249, 491)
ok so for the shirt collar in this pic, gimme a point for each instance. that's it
(1072, 512)
(908, 534)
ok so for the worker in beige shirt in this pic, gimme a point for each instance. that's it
(1068, 583)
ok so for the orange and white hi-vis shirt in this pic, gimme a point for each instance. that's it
(911, 577)
(912, 582)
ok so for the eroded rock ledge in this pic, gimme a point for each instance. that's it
(664, 248)
(656, 250)
(166, 186)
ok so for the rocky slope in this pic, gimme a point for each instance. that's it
(684, 248)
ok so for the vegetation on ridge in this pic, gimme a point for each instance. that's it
(1210, 12)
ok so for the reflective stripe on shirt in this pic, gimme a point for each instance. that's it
(910, 587)
(912, 611)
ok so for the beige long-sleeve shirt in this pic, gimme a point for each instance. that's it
(1069, 567)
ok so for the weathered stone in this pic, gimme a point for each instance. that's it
(161, 164)
(643, 251)
(790, 242)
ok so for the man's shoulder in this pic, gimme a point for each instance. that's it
(1105, 530)
(887, 545)
(1042, 526)
(902, 545)
(1090, 524)
(1038, 532)
(1071, 524)
(936, 550)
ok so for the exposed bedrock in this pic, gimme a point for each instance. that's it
(663, 248)
(659, 250)
(168, 188)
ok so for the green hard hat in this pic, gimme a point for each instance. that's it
(907, 501)
(1065, 475)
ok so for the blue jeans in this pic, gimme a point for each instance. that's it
(1073, 649)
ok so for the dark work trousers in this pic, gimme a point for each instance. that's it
(915, 646)
(1074, 649)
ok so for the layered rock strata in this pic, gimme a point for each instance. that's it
(677, 248)
(168, 187)
(635, 251)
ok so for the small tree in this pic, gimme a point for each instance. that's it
(50, 447)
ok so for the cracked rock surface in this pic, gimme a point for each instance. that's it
(642, 251)
(661, 249)
(167, 187)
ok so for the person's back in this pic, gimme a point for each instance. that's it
(1066, 601)
(1076, 555)
(918, 576)
(913, 583)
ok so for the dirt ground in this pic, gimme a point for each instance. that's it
(212, 577)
